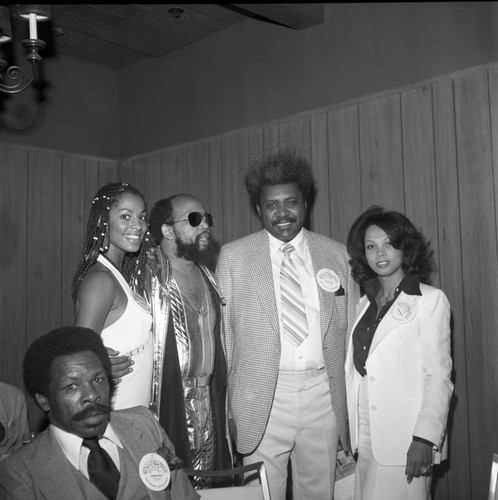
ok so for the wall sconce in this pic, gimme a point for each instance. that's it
(15, 74)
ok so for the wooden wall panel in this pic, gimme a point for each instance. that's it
(295, 133)
(270, 136)
(74, 199)
(108, 172)
(320, 209)
(13, 254)
(197, 165)
(235, 151)
(428, 150)
(44, 229)
(455, 478)
(153, 184)
(91, 184)
(418, 163)
(381, 154)
(216, 201)
(492, 337)
(175, 173)
(345, 188)
(133, 173)
(479, 273)
(256, 146)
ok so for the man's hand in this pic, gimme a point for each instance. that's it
(120, 365)
(418, 461)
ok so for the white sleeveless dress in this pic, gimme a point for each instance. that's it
(131, 335)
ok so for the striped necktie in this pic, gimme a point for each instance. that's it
(295, 325)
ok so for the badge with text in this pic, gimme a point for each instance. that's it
(403, 310)
(328, 280)
(154, 472)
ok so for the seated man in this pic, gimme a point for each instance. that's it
(88, 452)
(13, 419)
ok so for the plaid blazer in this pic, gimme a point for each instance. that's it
(40, 470)
(252, 331)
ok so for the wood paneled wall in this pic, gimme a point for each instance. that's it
(429, 150)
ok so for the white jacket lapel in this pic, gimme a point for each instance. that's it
(401, 312)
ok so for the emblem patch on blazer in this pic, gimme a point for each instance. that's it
(402, 310)
(328, 280)
(154, 472)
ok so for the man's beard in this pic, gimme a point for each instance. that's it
(193, 251)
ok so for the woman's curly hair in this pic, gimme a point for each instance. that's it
(418, 257)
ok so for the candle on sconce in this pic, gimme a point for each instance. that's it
(33, 34)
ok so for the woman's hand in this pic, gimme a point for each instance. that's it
(120, 365)
(418, 460)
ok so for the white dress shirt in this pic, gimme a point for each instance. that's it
(309, 354)
(77, 454)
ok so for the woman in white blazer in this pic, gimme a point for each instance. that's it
(398, 363)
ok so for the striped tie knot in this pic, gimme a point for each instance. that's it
(287, 249)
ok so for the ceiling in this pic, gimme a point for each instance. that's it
(117, 35)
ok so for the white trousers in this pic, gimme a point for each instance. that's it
(377, 482)
(302, 426)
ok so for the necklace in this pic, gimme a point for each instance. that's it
(111, 261)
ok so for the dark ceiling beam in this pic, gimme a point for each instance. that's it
(295, 16)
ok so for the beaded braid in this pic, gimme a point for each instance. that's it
(97, 229)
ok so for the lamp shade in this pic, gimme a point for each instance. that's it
(42, 12)
(5, 29)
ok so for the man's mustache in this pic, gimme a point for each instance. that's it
(283, 220)
(204, 233)
(90, 411)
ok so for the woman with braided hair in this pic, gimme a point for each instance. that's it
(108, 286)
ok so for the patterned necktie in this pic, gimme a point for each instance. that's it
(295, 325)
(101, 469)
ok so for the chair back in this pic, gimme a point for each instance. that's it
(250, 491)
(247, 492)
(494, 474)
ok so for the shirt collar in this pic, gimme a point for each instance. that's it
(71, 443)
(298, 242)
(410, 285)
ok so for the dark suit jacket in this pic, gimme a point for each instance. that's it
(40, 470)
(252, 329)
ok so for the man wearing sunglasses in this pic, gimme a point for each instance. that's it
(189, 378)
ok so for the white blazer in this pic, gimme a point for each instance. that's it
(408, 376)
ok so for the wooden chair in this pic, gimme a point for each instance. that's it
(494, 474)
(259, 491)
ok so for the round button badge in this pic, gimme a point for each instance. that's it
(154, 472)
(328, 280)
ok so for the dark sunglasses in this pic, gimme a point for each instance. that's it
(195, 218)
